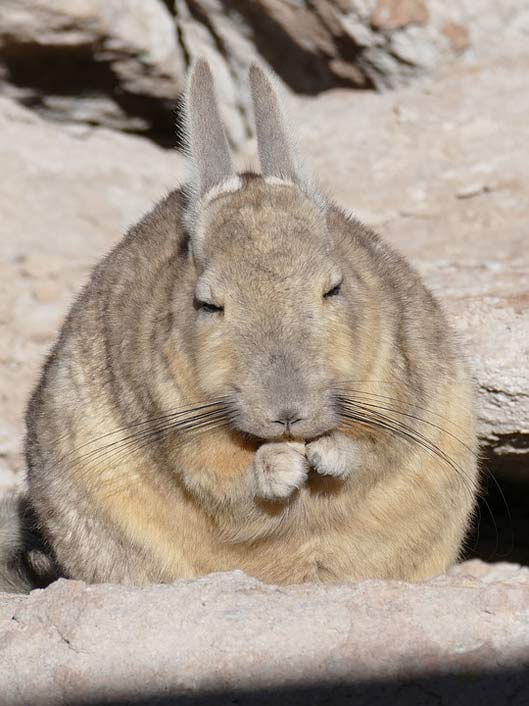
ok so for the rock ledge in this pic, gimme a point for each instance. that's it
(228, 632)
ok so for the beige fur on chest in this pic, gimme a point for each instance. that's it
(407, 527)
(323, 533)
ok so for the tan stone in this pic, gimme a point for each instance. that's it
(45, 292)
(393, 14)
(457, 34)
(122, 63)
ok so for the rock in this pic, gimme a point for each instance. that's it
(66, 201)
(230, 636)
(122, 63)
(39, 265)
(457, 35)
(470, 190)
(111, 62)
(492, 573)
(45, 292)
(315, 46)
(394, 14)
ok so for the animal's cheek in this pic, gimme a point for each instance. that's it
(339, 347)
(215, 361)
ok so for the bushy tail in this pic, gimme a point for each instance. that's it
(24, 564)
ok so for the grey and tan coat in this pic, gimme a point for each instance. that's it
(251, 380)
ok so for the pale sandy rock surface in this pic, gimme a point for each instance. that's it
(502, 572)
(228, 633)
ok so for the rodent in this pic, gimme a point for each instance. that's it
(253, 380)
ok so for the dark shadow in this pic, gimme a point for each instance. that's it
(501, 531)
(78, 71)
(502, 688)
(86, 70)
(304, 71)
(170, 5)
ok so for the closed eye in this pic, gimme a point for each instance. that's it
(209, 308)
(334, 291)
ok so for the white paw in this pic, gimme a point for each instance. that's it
(332, 455)
(279, 469)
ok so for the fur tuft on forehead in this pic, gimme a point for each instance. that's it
(229, 186)
(278, 181)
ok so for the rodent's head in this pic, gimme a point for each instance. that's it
(272, 316)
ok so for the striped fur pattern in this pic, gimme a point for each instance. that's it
(253, 380)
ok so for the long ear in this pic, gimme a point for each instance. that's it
(207, 140)
(276, 152)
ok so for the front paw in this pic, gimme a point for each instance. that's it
(334, 455)
(279, 469)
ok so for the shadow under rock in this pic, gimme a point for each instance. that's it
(44, 72)
(507, 687)
(501, 528)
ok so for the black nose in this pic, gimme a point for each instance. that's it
(287, 418)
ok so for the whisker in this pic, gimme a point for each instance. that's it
(372, 405)
(396, 428)
(398, 400)
(345, 384)
(411, 434)
(126, 484)
(177, 412)
(378, 397)
(112, 457)
(492, 477)
(187, 424)
(401, 430)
